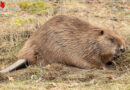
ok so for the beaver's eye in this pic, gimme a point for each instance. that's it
(111, 39)
(101, 32)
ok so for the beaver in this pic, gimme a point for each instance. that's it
(71, 41)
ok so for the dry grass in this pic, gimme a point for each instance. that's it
(12, 37)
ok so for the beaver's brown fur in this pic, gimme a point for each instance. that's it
(69, 40)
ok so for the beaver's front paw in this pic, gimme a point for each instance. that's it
(109, 66)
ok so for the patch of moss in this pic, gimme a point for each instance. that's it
(37, 7)
(24, 5)
(20, 21)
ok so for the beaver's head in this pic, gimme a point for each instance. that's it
(111, 43)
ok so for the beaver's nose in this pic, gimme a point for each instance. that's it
(122, 50)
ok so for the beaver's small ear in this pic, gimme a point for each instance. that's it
(101, 32)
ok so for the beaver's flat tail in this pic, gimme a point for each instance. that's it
(22, 63)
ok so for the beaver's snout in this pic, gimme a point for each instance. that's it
(122, 50)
